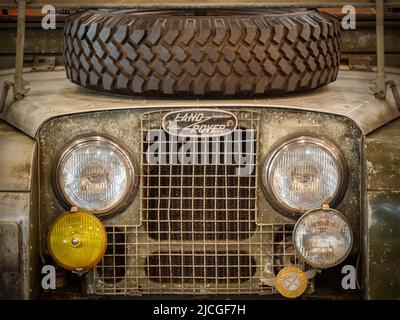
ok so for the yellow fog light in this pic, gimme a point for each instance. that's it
(77, 240)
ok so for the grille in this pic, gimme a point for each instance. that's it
(199, 202)
(198, 230)
(134, 264)
(200, 267)
(206, 201)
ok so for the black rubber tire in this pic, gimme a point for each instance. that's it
(183, 54)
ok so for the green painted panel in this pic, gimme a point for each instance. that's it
(383, 158)
(384, 245)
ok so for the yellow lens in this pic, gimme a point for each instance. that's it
(77, 240)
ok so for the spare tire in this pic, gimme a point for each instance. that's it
(204, 54)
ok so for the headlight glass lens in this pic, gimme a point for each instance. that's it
(323, 238)
(303, 174)
(95, 174)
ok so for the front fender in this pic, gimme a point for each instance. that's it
(382, 213)
(18, 214)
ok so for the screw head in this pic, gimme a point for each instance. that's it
(75, 241)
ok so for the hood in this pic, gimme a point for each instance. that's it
(52, 95)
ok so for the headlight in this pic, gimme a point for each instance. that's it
(95, 174)
(323, 238)
(303, 174)
(77, 240)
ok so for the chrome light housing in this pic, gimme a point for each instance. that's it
(323, 238)
(96, 174)
(303, 173)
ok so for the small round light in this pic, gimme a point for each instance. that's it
(291, 282)
(302, 174)
(323, 238)
(77, 240)
(97, 175)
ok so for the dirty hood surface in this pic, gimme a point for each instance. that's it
(52, 95)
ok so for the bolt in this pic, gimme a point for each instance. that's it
(75, 241)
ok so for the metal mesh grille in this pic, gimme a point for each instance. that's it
(200, 201)
(134, 264)
(198, 232)
(200, 267)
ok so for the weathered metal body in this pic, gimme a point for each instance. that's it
(357, 104)
(35, 127)
(382, 212)
(57, 111)
(125, 125)
(19, 214)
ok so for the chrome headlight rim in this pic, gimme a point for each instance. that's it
(327, 266)
(285, 143)
(132, 176)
